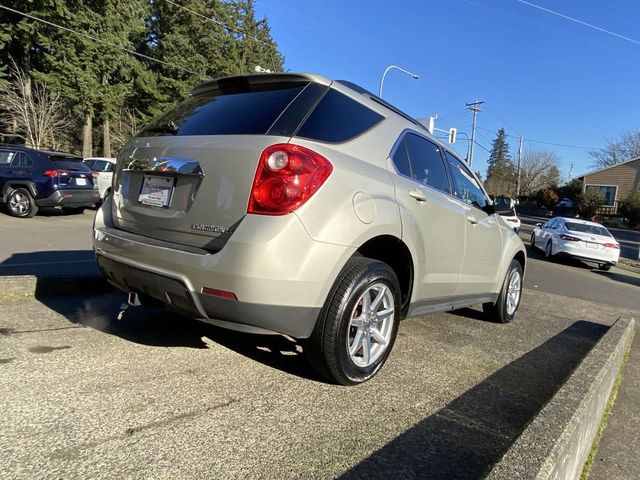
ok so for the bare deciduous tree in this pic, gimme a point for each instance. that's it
(125, 126)
(539, 169)
(617, 150)
(29, 110)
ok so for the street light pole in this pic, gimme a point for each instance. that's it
(391, 67)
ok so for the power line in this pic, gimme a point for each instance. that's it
(482, 147)
(217, 22)
(222, 24)
(567, 17)
(545, 142)
(99, 40)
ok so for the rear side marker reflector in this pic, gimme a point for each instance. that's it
(219, 293)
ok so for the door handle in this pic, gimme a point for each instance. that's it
(472, 220)
(418, 195)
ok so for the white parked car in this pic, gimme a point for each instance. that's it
(102, 168)
(577, 238)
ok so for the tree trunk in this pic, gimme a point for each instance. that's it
(87, 140)
(106, 138)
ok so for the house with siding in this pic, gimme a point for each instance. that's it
(614, 183)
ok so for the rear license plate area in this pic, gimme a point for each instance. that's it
(156, 191)
(591, 245)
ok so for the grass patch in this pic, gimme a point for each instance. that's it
(605, 418)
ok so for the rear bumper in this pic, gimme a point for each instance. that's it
(590, 255)
(280, 276)
(70, 198)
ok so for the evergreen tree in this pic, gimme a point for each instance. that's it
(500, 171)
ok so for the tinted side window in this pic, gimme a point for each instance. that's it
(426, 162)
(89, 163)
(241, 110)
(337, 118)
(22, 160)
(6, 157)
(401, 160)
(465, 186)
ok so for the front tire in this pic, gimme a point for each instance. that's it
(604, 267)
(533, 240)
(506, 306)
(21, 204)
(358, 325)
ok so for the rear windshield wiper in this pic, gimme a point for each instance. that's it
(163, 127)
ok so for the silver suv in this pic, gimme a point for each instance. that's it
(294, 204)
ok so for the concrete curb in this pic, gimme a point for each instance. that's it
(557, 442)
(17, 287)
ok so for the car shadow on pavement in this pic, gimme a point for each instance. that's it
(159, 327)
(468, 436)
(620, 277)
(50, 263)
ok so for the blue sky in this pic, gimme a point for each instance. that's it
(541, 76)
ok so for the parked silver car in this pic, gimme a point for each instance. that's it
(294, 204)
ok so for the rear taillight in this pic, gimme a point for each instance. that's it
(287, 176)
(94, 174)
(570, 238)
(611, 245)
(55, 173)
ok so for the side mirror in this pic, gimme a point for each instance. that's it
(538, 225)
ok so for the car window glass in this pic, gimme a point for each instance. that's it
(338, 118)
(401, 160)
(465, 186)
(550, 223)
(99, 166)
(110, 167)
(25, 161)
(89, 163)
(241, 109)
(426, 162)
(6, 157)
(586, 228)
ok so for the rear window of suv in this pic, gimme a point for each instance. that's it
(244, 110)
(70, 163)
(338, 118)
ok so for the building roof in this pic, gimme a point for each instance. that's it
(606, 168)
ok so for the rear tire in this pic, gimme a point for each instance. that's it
(506, 306)
(604, 266)
(533, 240)
(357, 327)
(21, 204)
(548, 250)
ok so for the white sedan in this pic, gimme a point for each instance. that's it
(577, 238)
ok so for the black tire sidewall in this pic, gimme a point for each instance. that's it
(374, 273)
(32, 203)
(504, 316)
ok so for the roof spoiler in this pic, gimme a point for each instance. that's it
(243, 82)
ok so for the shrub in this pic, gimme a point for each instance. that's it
(589, 202)
(546, 198)
(630, 208)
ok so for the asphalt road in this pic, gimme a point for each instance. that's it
(155, 395)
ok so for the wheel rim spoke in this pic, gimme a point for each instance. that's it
(371, 325)
(378, 337)
(366, 349)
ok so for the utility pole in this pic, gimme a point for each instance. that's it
(570, 170)
(474, 108)
(519, 166)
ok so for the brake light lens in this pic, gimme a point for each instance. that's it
(219, 293)
(94, 174)
(287, 176)
(570, 238)
(612, 245)
(55, 173)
